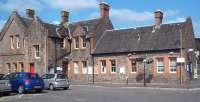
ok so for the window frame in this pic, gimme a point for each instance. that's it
(84, 43)
(103, 66)
(62, 43)
(76, 68)
(158, 71)
(84, 67)
(12, 42)
(113, 67)
(132, 66)
(76, 42)
(37, 51)
(170, 59)
(17, 41)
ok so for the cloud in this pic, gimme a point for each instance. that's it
(72, 4)
(196, 28)
(171, 13)
(177, 19)
(125, 15)
(55, 22)
(21, 5)
(2, 22)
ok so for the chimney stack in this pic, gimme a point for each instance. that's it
(64, 16)
(30, 13)
(104, 9)
(158, 18)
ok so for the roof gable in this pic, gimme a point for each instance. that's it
(13, 17)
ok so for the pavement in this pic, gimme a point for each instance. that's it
(92, 93)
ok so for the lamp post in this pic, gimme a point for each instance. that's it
(144, 61)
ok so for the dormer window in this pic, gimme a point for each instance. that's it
(17, 41)
(76, 42)
(84, 42)
(62, 43)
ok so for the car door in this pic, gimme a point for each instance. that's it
(14, 81)
(45, 79)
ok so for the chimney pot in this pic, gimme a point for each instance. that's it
(158, 18)
(64, 16)
(30, 13)
(104, 9)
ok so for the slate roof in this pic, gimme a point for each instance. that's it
(140, 39)
(91, 26)
(51, 27)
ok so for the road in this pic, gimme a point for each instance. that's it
(106, 94)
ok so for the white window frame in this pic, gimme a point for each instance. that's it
(76, 41)
(37, 51)
(102, 66)
(76, 67)
(17, 41)
(84, 42)
(84, 68)
(158, 66)
(171, 66)
(112, 66)
(132, 67)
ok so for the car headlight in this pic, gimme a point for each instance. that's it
(8, 84)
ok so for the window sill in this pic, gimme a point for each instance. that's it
(133, 72)
(113, 72)
(37, 57)
(172, 72)
(160, 72)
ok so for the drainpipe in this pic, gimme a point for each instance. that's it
(55, 56)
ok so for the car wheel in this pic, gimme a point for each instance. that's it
(20, 89)
(51, 87)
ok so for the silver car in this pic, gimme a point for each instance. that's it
(55, 81)
(4, 84)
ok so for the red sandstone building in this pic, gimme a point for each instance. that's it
(92, 50)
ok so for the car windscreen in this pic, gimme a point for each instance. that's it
(61, 76)
(1, 76)
(32, 76)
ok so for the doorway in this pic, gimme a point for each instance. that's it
(32, 68)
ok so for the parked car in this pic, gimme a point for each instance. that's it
(55, 81)
(4, 84)
(25, 81)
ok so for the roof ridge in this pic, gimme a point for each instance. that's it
(84, 20)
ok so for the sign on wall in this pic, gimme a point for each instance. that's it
(122, 70)
(180, 60)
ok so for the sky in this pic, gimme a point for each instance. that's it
(123, 13)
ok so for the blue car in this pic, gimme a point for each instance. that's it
(24, 81)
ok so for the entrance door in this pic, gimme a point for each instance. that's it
(32, 68)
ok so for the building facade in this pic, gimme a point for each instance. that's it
(93, 51)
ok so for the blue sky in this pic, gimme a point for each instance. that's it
(123, 13)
